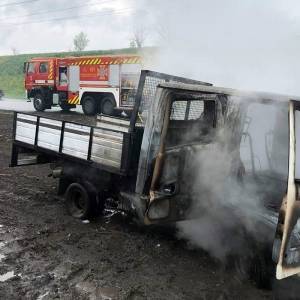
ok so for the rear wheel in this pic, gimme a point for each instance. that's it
(78, 201)
(39, 102)
(89, 106)
(108, 105)
(83, 200)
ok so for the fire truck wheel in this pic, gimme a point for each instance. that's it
(65, 106)
(108, 105)
(89, 106)
(78, 201)
(39, 102)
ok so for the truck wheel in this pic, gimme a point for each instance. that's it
(263, 270)
(89, 106)
(78, 201)
(65, 106)
(108, 105)
(39, 102)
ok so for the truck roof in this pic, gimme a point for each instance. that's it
(260, 96)
(87, 56)
(42, 58)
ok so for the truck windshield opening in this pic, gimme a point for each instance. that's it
(191, 121)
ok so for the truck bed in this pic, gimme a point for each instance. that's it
(70, 116)
(101, 145)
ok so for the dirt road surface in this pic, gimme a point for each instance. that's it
(46, 254)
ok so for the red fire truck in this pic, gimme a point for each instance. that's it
(101, 84)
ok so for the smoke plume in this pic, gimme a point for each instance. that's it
(238, 181)
(242, 44)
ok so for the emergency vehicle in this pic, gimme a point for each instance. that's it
(101, 84)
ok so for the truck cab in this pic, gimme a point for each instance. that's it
(39, 81)
(208, 149)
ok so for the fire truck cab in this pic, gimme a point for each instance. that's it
(101, 84)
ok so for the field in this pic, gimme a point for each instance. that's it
(11, 68)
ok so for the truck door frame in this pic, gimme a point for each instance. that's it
(290, 209)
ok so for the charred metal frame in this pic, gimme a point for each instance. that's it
(289, 210)
(162, 76)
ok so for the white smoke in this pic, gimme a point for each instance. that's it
(233, 190)
(237, 44)
(244, 44)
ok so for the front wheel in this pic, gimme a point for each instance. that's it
(83, 200)
(78, 202)
(39, 102)
(65, 106)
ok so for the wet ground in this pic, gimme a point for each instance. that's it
(15, 104)
(46, 254)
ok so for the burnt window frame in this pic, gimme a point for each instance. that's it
(190, 98)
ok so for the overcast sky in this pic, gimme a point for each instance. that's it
(50, 25)
(253, 44)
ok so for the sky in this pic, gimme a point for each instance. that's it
(249, 44)
(50, 25)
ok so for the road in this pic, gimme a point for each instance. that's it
(15, 104)
(23, 105)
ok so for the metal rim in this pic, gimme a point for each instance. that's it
(77, 201)
(38, 102)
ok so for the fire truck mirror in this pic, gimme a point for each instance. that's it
(25, 67)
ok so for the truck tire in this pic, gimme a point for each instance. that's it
(39, 102)
(65, 106)
(89, 106)
(108, 105)
(78, 201)
(263, 270)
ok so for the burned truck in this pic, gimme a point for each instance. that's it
(187, 150)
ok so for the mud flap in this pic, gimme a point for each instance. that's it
(286, 247)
